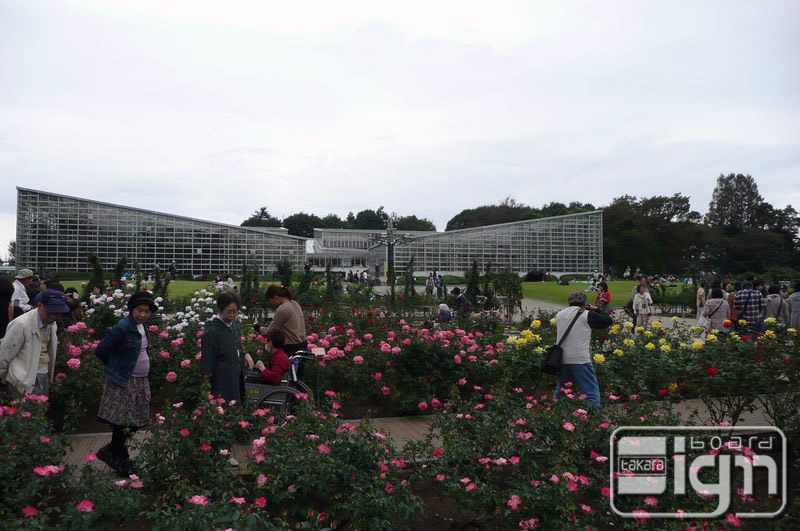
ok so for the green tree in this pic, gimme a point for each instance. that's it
(96, 280)
(414, 223)
(332, 286)
(261, 218)
(408, 280)
(331, 221)
(284, 272)
(12, 252)
(509, 285)
(302, 224)
(119, 269)
(473, 284)
(305, 282)
(736, 203)
(370, 219)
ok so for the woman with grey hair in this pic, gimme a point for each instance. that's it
(576, 346)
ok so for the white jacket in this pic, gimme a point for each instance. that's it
(21, 295)
(20, 351)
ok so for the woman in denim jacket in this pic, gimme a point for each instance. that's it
(125, 403)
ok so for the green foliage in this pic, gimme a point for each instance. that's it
(509, 285)
(97, 277)
(302, 224)
(408, 281)
(283, 269)
(414, 223)
(249, 288)
(509, 210)
(261, 218)
(305, 281)
(119, 269)
(473, 284)
(332, 286)
(320, 467)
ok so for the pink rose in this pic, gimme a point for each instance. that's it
(185, 364)
(171, 376)
(85, 506)
(90, 458)
(73, 363)
(514, 502)
(199, 500)
(358, 360)
(422, 406)
(184, 432)
(60, 377)
(385, 390)
(260, 502)
(324, 449)
(164, 354)
(29, 511)
(568, 426)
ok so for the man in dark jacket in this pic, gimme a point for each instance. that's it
(223, 358)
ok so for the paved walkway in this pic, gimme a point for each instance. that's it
(402, 430)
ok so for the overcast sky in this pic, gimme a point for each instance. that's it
(213, 109)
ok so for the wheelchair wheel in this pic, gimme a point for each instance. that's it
(283, 400)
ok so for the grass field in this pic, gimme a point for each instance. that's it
(177, 288)
(552, 292)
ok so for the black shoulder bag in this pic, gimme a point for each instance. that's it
(551, 358)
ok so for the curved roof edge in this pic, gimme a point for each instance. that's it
(497, 225)
(248, 229)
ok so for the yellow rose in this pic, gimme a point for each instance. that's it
(627, 324)
(639, 329)
(656, 324)
(665, 348)
(527, 334)
(536, 323)
(521, 342)
(734, 337)
(770, 320)
(628, 342)
(512, 340)
(682, 344)
(742, 322)
(619, 352)
(536, 338)
(696, 329)
(673, 387)
(711, 337)
(697, 345)
(614, 330)
(648, 333)
(662, 341)
(675, 319)
(769, 333)
(791, 331)
(538, 350)
(553, 321)
(599, 358)
(650, 346)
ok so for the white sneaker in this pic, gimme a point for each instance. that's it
(233, 462)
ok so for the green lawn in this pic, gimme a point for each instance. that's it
(177, 288)
(552, 292)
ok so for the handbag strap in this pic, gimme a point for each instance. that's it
(715, 311)
(578, 314)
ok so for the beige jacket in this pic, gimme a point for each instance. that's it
(20, 351)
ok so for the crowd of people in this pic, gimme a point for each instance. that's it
(32, 318)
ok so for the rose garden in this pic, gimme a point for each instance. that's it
(500, 451)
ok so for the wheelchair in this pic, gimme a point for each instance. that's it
(282, 398)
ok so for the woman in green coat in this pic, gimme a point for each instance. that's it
(223, 357)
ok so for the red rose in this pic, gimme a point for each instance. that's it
(712, 371)
(662, 392)
(745, 338)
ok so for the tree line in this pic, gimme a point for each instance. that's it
(303, 224)
(741, 233)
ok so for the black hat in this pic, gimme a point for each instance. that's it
(142, 297)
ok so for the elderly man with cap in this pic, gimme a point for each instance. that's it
(20, 297)
(28, 352)
(576, 322)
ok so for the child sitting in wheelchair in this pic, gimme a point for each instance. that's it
(279, 363)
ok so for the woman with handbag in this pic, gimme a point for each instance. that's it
(715, 312)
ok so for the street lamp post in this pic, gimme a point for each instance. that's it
(390, 239)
